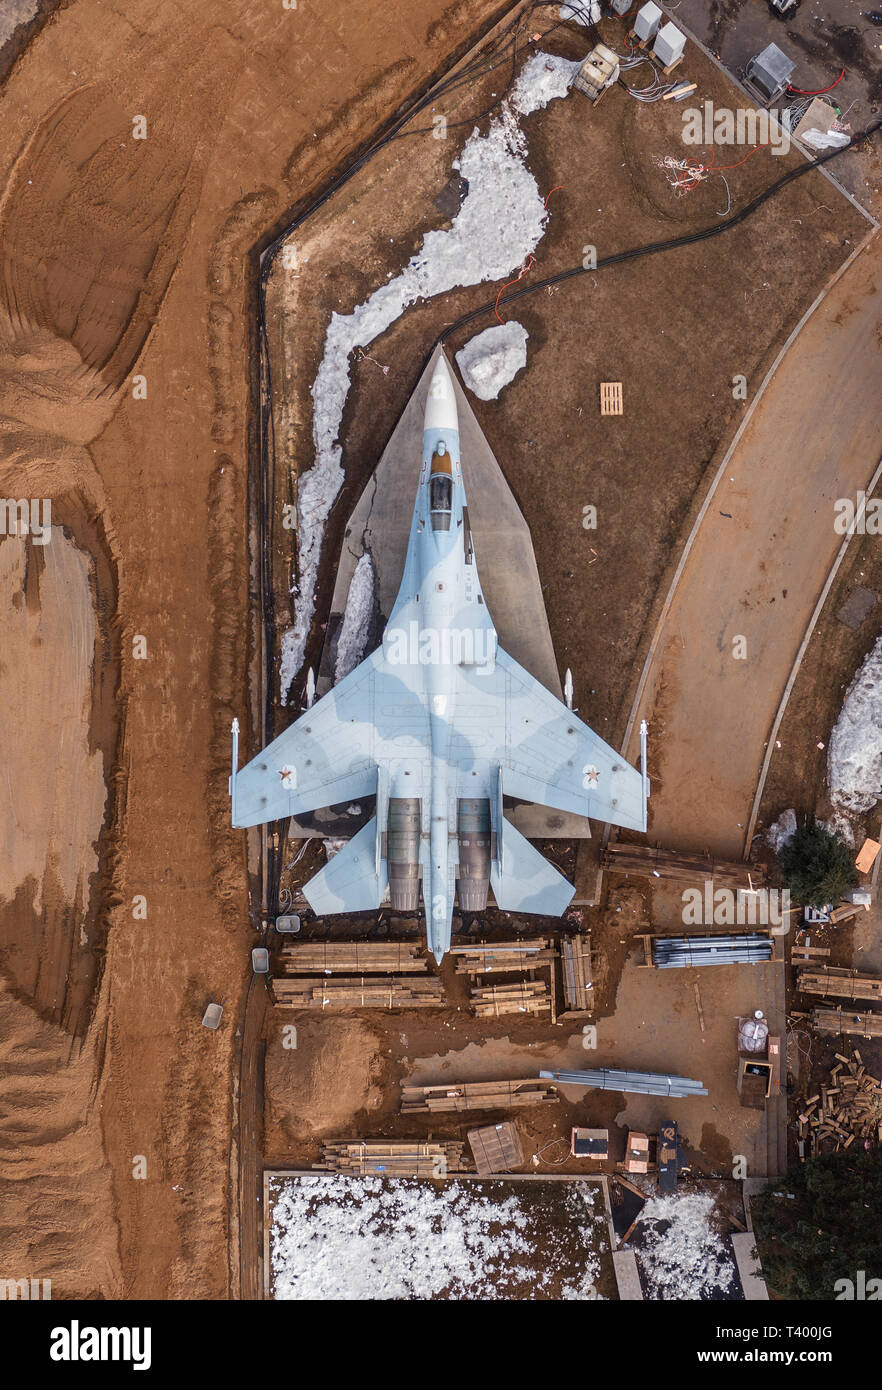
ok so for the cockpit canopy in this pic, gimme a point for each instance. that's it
(441, 488)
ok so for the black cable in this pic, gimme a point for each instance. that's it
(674, 243)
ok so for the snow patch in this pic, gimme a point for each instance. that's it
(501, 221)
(782, 831)
(356, 619)
(854, 758)
(493, 358)
(364, 1238)
(682, 1257)
(586, 13)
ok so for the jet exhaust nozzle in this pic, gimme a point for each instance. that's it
(403, 853)
(473, 830)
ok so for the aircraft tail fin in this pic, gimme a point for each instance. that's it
(525, 881)
(355, 880)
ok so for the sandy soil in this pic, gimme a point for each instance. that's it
(121, 254)
(726, 649)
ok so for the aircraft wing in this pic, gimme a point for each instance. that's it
(330, 753)
(547, 754)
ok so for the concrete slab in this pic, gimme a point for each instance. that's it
(749, 1268)
(380, 524)
(627, 1277)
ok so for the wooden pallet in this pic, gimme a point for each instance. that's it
(830, 980)
(682, 868)
(352, 958)
(611, 398)
(408, 1159)
(496, 1148)
(575, 955)
(523, 997)
(372, 992)
(476, 1095)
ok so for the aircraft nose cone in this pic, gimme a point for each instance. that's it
(441, 402)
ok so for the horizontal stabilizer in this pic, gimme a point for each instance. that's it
(355, 880)
(527, 882)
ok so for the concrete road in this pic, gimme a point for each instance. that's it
(757, 566)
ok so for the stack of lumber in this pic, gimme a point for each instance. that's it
(352, 958)
(377, 992)
(483, 957)
(850, 1109)
(408, 1159)
(847, 1024)
(575, 954)
(475, 1095)
(684, 868)
(523, 997)
(841, 983)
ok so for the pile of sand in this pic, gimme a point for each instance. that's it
(316, 1088)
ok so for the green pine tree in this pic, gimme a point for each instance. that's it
(817, 866)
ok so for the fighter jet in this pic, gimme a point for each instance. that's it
(440, 725)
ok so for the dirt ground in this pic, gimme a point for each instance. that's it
(124, 257)
(725, 304)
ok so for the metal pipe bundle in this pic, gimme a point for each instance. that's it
(673, 952)
(644, 1082)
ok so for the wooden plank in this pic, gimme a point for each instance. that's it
(352, 957)
(672, 864)
(476, 1095)
(847, 1023)
(390, 992)
(575, 955)
(829, 980)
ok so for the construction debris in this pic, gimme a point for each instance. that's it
(850, 1109)
(475, 1095)
(410, 1159)
(352, 957)
(379, 992)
